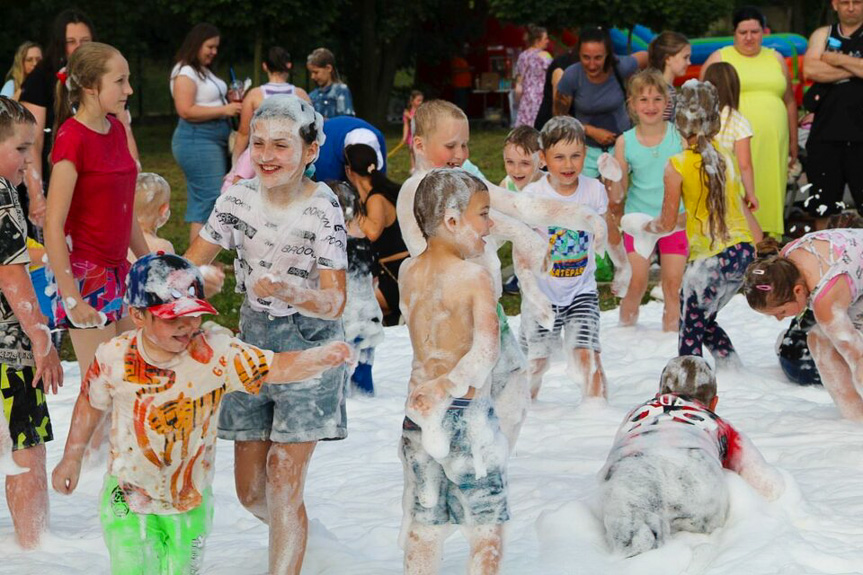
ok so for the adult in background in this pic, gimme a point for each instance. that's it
(332, 97)
(277, 66)
(27, 56)
(766, 100)
(594, 91)
(377, 220)
(200, 142)
(70, 29)
(530, 75)
(834, 150)
(549, 90)
(340, 133)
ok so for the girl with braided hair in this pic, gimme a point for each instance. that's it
(706, 178)
(822, 271)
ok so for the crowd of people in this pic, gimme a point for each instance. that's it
(610, 155)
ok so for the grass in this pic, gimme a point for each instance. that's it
(154, 143)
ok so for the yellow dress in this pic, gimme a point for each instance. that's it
(762, 86)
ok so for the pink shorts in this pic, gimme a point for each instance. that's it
(101, 287)
(676, 244)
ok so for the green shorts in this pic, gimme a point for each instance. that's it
(25, 408)
(144, 544)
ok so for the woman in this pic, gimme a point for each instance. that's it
(26, 57)
(331, 98)
(530, 75)
(70, 29)
(377, 220)
(766, 100)
(200, 142)
(822, 271)
(277, 66)
(595, 85)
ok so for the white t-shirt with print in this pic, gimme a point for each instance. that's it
(211, 91)
(572, 251)
(164, 416)
(294, 243)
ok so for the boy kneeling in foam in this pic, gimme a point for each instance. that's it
(664, 472)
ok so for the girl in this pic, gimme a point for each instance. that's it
(377, 219)
(200, 141)
(735, 134)
(642, 153)
(331, 97)
(289, 235)
(822, 271)
(720, 244)
(669, 53)
(90, 224)
(26, 57)
(277, 66)
(414, 102)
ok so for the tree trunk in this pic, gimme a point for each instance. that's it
(256, 71)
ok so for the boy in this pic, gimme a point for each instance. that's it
(153, 209)
(521, 158)
(453, 451)
(570, 282)
(664, 472)
(165, 382)
(29, 364)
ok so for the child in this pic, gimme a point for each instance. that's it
(362, 316)
(90, 224)
(331, 98)
(521, 158)
(29, 364)
(164, 384)
(153, 209)
(414, 102)
(669, 52)
(664, 472)
(453, 452)
(720, 245)
(735, 134)
(822, 271)
(289, 235)
(642, 153)
(570, 283)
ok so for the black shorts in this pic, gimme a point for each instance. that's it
(25, 408)
(829, 167)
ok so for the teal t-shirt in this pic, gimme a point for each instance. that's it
(647, 170)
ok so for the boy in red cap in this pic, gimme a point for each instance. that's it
(164, 383)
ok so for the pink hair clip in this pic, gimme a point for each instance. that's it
(763, 287)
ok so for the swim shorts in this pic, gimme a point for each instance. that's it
(579, 322)
(101, 287)
(25, 408)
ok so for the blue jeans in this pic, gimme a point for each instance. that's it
(201, 150)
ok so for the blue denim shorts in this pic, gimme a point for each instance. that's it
(451, 490)
(201, 150)
(311, 410)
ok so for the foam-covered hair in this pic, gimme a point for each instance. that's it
(689, 376)
(440, 190)
(289, 107)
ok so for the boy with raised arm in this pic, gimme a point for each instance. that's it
(453, 450)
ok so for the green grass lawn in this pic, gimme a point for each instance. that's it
(154, 143)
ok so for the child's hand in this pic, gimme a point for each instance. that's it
(48, 370)
(751, 202)
(214, 279)
(64, 479)
(270, 286)
(337, 353)
(427, 395)
(82, 315)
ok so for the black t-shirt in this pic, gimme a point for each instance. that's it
(840, 114)
(545, 113)
(38, 89)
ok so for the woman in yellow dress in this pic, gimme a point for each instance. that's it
(766, 100)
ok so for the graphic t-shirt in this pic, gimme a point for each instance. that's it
(164, 416)
(292, 243)
(14, 343)
(572, 251)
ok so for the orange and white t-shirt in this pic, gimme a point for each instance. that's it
(164, 416)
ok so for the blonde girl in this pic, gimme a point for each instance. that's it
(705, 177)
(90, 224)
(642, 153)
(669, 53)
(26, 57)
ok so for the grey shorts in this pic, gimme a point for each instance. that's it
(311, 410)
(579, 322)
(510, 359)
(450, 490)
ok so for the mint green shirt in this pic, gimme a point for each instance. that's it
(647, 171)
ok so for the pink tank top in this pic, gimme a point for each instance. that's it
(846, 260)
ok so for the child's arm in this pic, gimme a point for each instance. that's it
(745, 459)
(242, 140)
(406, 126)
(202, 253)
(85, 419)
(831, 313)
(137, 241)
(326, 302)
(617, 190)
(15, 284)
(667, 220)
(294, 366)
(375, 219)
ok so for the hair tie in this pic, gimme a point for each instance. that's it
(371, 169)
(763, 287)
(62, 75)
(758, 272)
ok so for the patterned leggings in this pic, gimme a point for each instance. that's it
(708, 285)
